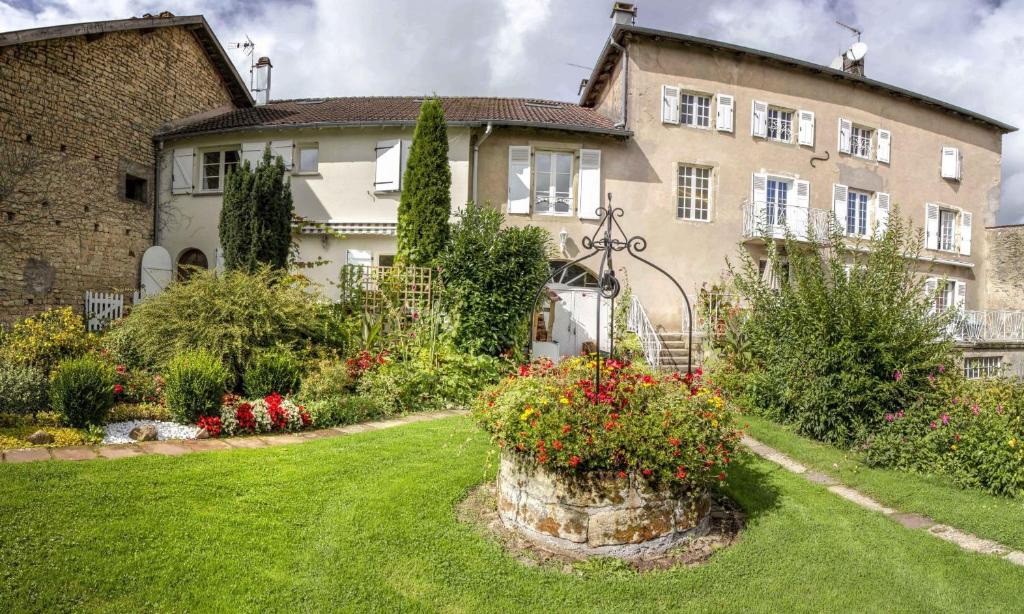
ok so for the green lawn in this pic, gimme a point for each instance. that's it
(367, 523)
(998, 518)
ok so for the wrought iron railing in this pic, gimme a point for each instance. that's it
(638, 322)
(762, 219)
(860, 146)
(980, 326)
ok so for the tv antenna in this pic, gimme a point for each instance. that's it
(856, 31)
(248, 50)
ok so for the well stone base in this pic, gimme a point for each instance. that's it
(597, 512)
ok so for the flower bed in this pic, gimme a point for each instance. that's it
(643, 450)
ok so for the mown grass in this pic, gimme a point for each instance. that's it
(993, 517)
(367, 523)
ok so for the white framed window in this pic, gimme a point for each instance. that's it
(553, 194)
(358, 257)
(776, 200)
(978, 367)
(860, 141)
(309, 158)
(780, 125)
(695, 110)
(946, 295)
(857, 213)
(947, 229)
(215, 166)
(693, 193)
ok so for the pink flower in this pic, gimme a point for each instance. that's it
(899, 414)
(975, 409)
(897, 375)
(999, 409)
(933, 425)
(889, 417)
(942, 368)
(121, 369)
(931, 378)
(945, 419)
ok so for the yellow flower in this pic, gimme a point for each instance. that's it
(714, 423)
(563, 401)
(1013, 443)
(952, 447)
(526, 414)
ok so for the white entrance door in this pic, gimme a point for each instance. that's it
(576, 320)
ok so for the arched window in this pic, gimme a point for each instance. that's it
(575, 276)
(189, 261)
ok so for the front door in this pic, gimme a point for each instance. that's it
(576, 320)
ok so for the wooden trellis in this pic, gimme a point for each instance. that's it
(384, 289)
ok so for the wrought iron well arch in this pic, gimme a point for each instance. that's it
(604, 242)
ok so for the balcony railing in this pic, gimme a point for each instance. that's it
(773, 221)
(977, 326)
(860, 146)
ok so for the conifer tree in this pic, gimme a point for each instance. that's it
(255, 220)
(426, 202)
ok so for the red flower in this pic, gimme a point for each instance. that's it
(647, 472)
(245, 418)
(118, 389)
(721, 476)
(556, 444)
(681, 472)
(565, 429)
(121, 369)
(622, 475)
(211, 424)
(674, 441)
(574, 460)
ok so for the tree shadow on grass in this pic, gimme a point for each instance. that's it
(751, 486)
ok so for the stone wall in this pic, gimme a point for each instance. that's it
(1005, 267)
(79, 113)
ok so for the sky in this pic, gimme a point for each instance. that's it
(969, 53)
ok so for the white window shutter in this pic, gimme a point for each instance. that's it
(220, 259)
(406, 148)
(253, 152)
(961, 295)
(519, 179)
(759, 118)
(669, 104)
(283, 149)
(839, 195)
(759, 191)
(387, 176)
(845, 129)
(965, 233)
(931, 289)
(590, 183)
(884, 145)
(724, 117)
(951, 163)
(797, 218)
(181, 171)
(931, 226)
(805, 131)
(882, 207)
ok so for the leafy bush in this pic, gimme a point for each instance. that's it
(82, 391)
(339, 411)
(847, 337)
(22, 388)
(972, 432)
(274, 370)
(330, 379)
(490, 275)
(44, 340)
(671, 429)
(232, 315)
(195, 385)
(137, 385)
(123, 412)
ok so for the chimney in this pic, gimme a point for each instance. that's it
(261, 88)
(624, 13)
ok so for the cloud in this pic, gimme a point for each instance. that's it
(966, 52)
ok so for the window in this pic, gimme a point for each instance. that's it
(977, 367)
(780, 125)
(554, 183)
(358, 257)
(309, 158)
(386, 260)
(947, 229)
(860, 142)
(946, 295)
(769, 275)
(693, 198)
(573, 275)
(695, 110)
(777, 195)
(857, 213)
(135, 188)
(216, 166)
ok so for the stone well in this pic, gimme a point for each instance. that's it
(597, 513)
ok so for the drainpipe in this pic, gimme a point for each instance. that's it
(476, 157)
(625, 80)
(156, 193)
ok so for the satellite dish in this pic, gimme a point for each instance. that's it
(857, 51)
(156, 273)
(837, 64)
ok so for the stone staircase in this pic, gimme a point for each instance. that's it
(673, 351)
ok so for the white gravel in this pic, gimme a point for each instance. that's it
(117, 432)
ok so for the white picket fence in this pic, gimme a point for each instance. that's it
(102, 308)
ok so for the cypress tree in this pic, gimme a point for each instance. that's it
(255, 220)
(426, 202)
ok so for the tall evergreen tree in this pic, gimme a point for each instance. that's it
(256, 218)
(426, 203)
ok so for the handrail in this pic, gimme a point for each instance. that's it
(639, 323)
(760, 219)
(978, 326)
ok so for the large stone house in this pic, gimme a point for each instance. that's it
(79, 106)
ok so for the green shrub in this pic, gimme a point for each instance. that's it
(846, 338)
(82, 391)
(195, 386)
(122, 412)
(426, 201)
(44, 340)
(232, 315)
(339, 411)
(490, 275)
(330, 380)
(273, 370)
(22, 388)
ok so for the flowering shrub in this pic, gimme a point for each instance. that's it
(272, 413)
(670, 429)
(972, 432)
(211, 424)
(363, 362)
(137, 385)
(44, 340)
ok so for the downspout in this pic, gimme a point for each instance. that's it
(156, 193)
(625, 80)
(476, 157)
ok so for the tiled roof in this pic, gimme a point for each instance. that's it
(401, 110)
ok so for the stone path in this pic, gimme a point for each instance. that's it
(966, 541)
(177, 448)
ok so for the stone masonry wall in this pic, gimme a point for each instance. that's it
(83, 112)
(1005, 267)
